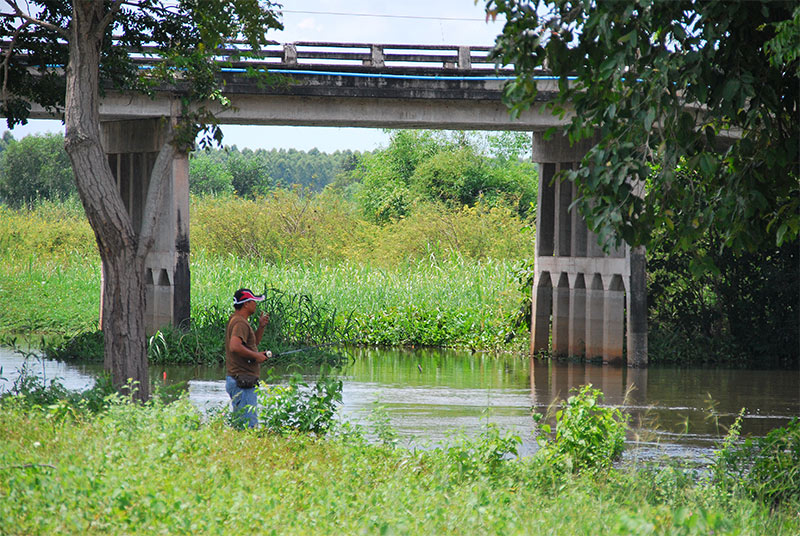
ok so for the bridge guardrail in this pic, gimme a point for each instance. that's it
(327, 55)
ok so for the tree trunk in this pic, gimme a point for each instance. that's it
(123, 260)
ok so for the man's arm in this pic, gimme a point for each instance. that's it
(237, 347)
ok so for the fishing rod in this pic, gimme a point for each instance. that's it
(306, 348)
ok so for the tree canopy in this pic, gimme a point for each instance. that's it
(183, 34)
(667, 87)
(62, 54)
(35, 168)
(453, 169)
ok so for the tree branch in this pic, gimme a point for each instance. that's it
(7, 60)
(109, 17)
(31, 20)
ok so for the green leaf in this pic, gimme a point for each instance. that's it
(708, 164)
(780, 234)
(648, 119)
(730, 89)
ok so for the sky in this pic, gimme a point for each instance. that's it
(414, 22)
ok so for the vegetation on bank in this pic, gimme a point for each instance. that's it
(425, 242)
(99, 464)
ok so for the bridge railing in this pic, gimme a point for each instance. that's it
(348, 56)
(353, 55)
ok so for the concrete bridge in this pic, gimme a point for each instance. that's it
(585, 303)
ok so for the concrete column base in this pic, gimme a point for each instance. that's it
(132, 147)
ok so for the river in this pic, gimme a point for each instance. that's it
(430, 395)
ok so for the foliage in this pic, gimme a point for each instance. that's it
(485, 455)
(129, 470)
(54, 229)
(767, 468)
(285, 226)
(300, 407)
(588, 437)
(423, 167)
(708, 85)
(706, 313)
(478, 233)
(254, 174)
(295, 226)
(208, 176)
(35, 168)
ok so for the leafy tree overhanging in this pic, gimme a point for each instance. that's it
(666, 85)
(61, 54)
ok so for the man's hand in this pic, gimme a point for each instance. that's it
(263, 320)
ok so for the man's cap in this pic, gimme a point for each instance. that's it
(245, 295)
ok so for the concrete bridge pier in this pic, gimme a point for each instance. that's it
(585, 302)
(132, 147)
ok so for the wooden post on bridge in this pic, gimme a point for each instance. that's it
(587, 298)
(132, 147)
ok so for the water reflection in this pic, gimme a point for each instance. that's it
(431, 394)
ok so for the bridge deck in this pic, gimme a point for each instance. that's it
(351, 84)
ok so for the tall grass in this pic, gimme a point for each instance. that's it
(289, 227)
(428, 302)
(431, 279)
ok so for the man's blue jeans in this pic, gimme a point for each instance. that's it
(243, 403)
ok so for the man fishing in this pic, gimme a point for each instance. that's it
(242, 358)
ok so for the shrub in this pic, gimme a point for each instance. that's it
(483, 456)
(299, 407)
(588, 436)
(767, 468)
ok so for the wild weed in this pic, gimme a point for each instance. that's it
(588, 436)
(300, 407)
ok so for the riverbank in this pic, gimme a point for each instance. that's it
(440, 278)
(445, 303)
(155, 468)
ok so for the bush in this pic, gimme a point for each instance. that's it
(53, 229)
(298, 407)
(286, 226)
(588, 436)
(767, 468)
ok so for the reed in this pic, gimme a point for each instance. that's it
(428, 280)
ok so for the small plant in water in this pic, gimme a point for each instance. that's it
(299, 406)
(588, 436)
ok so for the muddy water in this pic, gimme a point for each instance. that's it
(430, 395)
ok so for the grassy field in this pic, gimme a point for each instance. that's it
(425, 293)
(162, 469)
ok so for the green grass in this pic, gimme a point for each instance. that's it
(428, 280)
(429, 302)
(453, 302)
(158, 469)
(46, 295)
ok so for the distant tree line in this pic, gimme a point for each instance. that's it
(37, 168)
(249, 173)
